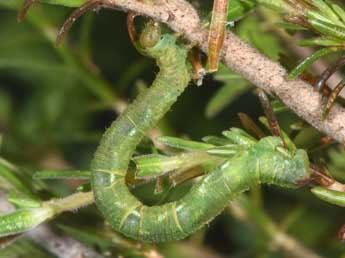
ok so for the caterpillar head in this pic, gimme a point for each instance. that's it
(151, 35)
(153, 43)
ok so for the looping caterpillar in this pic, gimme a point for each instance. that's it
(259, 162)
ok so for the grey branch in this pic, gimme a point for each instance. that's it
(245, 60)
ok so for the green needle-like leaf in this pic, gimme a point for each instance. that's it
(216, 140)
(23, 220)
(226, 151)
(327, 11)
(310, 60)
(328, 29)
(331, 196)
(21, 201)
(149, 166)
(321, 41)
(339, 11)
(240, 137)
(62, 174)
(184, 144)
(239, 8)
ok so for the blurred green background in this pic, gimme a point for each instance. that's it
(56, 103)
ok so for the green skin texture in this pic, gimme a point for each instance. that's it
(260, 162)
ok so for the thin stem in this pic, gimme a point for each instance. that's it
(70, 203)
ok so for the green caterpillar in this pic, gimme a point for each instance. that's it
(249, 162)
(259, 162)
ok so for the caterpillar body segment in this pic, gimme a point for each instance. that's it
(262, 162)
(120, 140)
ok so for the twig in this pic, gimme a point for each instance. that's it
(247, 61)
